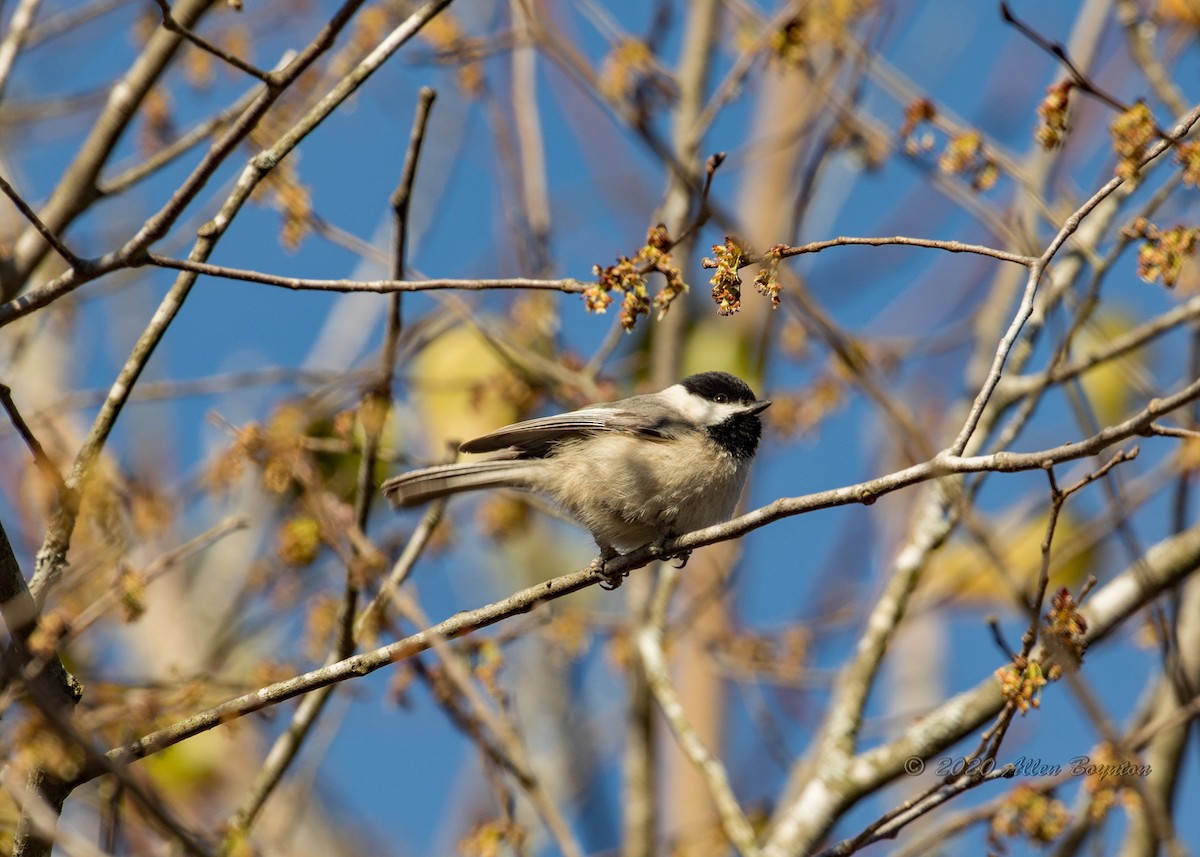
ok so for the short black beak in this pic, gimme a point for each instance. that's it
(760, 406)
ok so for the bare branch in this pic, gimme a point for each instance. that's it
(76, 189)
(570, 286)
(146, 167)
(1111, 349)
(1035, 274)
(803, 821)
(19, 24)
(52, 555)
(169, 561)
(402, 568)
(948, 246)
(29, 214)
(1060, 53)
(35, 447)
(169, 23)
(374, 408)
(890, 824)
(733, 820)
(1174, 431)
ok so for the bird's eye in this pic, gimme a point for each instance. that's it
(720, 398)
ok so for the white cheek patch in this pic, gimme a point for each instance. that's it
(693, 408)
(697, 410)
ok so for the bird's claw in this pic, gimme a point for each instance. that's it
(659, 550)
(612, 579)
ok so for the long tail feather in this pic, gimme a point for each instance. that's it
(421, 486)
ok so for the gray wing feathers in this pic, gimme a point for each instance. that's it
(421, 486)
(542, 431)
(534, 437)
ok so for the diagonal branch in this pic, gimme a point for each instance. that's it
(76, 189)
(1116, 601)
(1060, 53)
(52, 556)
(36, 222)
(375, 406)
(1025, 310)
(19, 24)
(804, 821)
(170, 23)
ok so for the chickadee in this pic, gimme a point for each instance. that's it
(638, 471)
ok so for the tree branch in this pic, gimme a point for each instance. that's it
(567, 285)
(1038, 268)
(804, 820)
(19, 24)
(36, 222)
(373, 411)
(76, 189)
(525, 600)
(170, 23)
(654, 660)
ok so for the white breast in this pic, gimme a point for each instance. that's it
(632, 491)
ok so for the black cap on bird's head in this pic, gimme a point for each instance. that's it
(740, 428)
(719, 387)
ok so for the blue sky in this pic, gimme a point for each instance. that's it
(404, 770)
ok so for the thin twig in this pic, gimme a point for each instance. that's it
(402, 568)
(998, 638)
(1060, 53)
(195, 135)
(785, 251)
(1174, 431)
(45, 231)
(35, 447)
(148, 391)
(1069, 227)
(1058, 497)
(711, 165)
(169, 23)
(1110, 349)
(172, 559)
(567, 285)
(893, 822)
